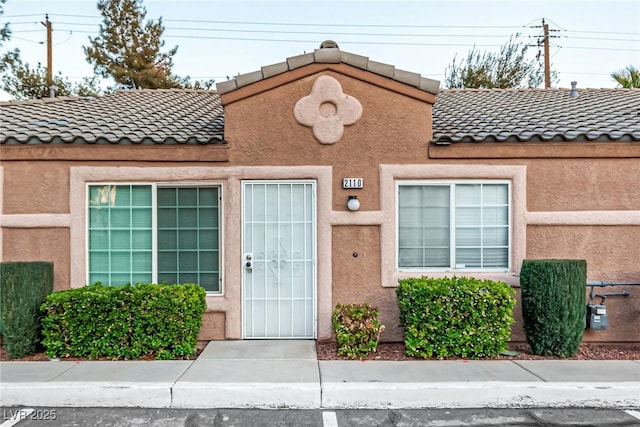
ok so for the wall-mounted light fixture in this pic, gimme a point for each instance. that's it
(352, 203)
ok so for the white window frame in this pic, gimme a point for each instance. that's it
(451, 184)
(154, 222)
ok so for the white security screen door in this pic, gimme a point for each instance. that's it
(278, 259)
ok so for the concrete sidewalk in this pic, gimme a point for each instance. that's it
(275, 374)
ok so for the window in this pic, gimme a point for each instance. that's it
(154, 233)
(461, 225)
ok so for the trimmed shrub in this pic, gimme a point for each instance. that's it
(554, 305)
(357, 329)
(457, 316)
(23, 288)
(126, 322)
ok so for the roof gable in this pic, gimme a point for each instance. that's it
(329, 53)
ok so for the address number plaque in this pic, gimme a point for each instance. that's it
(352, 182)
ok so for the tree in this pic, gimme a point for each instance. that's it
(186, 83)
(128, 49)
(5, 33)
(130, 53)
(628, 77)
(508, 68)
(22, 81)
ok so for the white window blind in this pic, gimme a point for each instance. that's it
(453, 225)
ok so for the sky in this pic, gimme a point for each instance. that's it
(218, 39)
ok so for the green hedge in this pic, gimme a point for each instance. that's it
(462, 317)
(357, 329)
(23, 288)
(126, 322)
(554, 305)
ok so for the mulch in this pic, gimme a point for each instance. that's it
(327, 350)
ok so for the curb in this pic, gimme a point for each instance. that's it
(328, 395)
(494, 394)
(246, 395)
(89, 394)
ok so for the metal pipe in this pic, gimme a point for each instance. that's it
(602, 284)
(612, 294)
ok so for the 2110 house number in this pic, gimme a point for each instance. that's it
(352, 182)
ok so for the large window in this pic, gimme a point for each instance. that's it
(154, 233)
(453, 225)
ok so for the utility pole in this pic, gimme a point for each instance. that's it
(547, 61)
(47, 24)
(547, 58)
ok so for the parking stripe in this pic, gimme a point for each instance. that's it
(329, 419)
(17, 416)
(635, 414)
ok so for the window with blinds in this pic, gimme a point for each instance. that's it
(461, 225)
(152, 233)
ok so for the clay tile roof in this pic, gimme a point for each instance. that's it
(168, 116)
(514, 115)
(330, 53)
(197, 117)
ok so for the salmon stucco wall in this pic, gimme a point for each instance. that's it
(356, 275)
(39, 244)
(213, 326)
(36, 187)
(585, 184)
(612, 252)
(393, 128)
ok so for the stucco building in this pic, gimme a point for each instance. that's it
(246, 190)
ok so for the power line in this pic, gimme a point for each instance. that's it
(25, 31)
(179, 36)
(391, 43)
(583, 73)
(347, 33)
(236, 30)
(76, 23)
(603, 39)
(21, 22)
(338, 25)
(292, 23)
(604, 32)
(333, 33)
(27, 40)
(600, 48)
(22, 16)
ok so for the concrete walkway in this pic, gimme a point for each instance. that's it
(278, 374)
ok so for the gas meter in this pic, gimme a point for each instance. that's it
(597, 316)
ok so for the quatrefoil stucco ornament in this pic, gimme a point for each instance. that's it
(327, 110)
